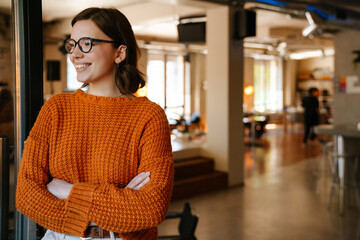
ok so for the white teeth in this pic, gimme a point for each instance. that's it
(81, 66)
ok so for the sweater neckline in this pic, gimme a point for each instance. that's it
(105, 100)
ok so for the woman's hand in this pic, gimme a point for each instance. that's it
(59, 188)
(139, 181)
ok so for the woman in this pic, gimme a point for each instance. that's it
(98, 163)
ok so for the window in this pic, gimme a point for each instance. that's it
(168, 79)
(268, 94)
(155, 79)
(174, 94)
(72, 83)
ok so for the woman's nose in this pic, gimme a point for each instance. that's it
(77, 52)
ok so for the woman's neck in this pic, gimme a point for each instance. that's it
(105, 91)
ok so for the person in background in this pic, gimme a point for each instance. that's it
(98, 162)
(311, 114)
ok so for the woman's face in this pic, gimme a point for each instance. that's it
(98, 65)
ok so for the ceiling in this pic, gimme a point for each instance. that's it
(349, 5)
(154, 18)
(157, 19)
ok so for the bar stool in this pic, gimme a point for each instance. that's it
(321, 167)
(340, 165)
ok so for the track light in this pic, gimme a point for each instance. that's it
(309, 30)
(313, 27)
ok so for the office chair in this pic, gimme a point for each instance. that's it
(187, 224)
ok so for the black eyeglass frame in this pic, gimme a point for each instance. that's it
(66, 41)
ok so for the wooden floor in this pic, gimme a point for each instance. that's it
(279, 200)
(277, 148)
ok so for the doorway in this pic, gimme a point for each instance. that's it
(21, 94)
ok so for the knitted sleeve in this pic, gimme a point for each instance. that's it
(32, 197)
(126, 210)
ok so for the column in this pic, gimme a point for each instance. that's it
(224, 97)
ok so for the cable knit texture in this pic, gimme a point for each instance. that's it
(99, 144)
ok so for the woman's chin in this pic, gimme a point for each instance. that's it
(81, 81)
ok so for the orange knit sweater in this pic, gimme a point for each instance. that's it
(99, 144)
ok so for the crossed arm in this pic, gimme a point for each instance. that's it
(61, 188)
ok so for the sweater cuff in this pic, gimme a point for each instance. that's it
(78, 205)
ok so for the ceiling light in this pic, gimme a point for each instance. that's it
(258, 45)
(311, 54)
(310, 18)
(309, 30)
(315, 21)
(192, 20)
(304, 55)
(329, 52)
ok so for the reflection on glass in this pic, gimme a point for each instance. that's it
(7, 93)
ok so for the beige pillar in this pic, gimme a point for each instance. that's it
(248, 81)
(289, 83)
(346, 105)
(224, 72)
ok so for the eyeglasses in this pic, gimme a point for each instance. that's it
(85, 44)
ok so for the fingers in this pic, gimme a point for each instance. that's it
(146, 180)
(139, 181)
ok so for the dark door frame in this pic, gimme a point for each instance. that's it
(27, 22)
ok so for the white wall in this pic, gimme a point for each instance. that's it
(346, 109)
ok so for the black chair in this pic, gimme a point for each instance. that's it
(187, 224)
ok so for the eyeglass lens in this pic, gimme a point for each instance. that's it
(85, 45)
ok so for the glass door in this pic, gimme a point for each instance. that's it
(21, 97)
(7, 116)
(28, 50)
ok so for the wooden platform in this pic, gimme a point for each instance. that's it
(196, 175)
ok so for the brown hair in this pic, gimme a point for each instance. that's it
(116, 26)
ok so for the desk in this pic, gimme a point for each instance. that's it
(345, 131)
(342, 135)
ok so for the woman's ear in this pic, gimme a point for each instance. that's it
(120, 54)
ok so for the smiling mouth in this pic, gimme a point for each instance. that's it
(81, 67)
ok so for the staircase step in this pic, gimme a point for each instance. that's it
(191, 167)
(201, 184)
